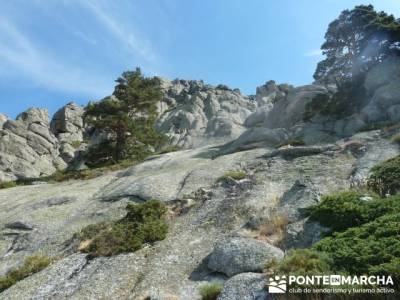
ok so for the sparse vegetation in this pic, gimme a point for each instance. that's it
(395, 138)
(301, 262)
(349, 209)
(236, 175)
(8, 184)
(168, 149)
(76, 144)
(64, 175)
(385, 177)
(210, 291)
(274, 229)
(364, 239)
(32, 265)
(384, 125)
(292, 142)
(143, 223)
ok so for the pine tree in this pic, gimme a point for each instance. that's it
(127, 118)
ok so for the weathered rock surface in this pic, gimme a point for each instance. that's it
(245, 286)
(239, 255)
(178, 265)
(27, 147)
(67, 125)
(196, 114)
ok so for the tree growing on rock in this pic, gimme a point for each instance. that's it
(355, 41)
(126, 119)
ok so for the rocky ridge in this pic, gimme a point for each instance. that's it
(221, 229)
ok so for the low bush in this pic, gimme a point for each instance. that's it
(8, 184)
(396, 138)
(368, 242)
(143, 223)
(169, 149)
(32, 265)
(76, 144)
(366, 249)
(210, 291)
(236, 175)
(349, 209)
(301, 262)
(385, 177)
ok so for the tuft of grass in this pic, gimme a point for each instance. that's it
(292, 142)
(143, 223)
(236, 175)
(396, 138)
(76, 144)
(8, 184)
(168, 149)
(32, 265)
(384, 125)
(274, 230)
(210, 291)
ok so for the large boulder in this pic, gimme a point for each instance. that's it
(239, 255)
(245, 286)
(68, 126)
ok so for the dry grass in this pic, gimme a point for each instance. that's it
(274, 229)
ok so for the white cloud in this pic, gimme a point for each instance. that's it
(123, 32)
(18, 53)
(313, 53)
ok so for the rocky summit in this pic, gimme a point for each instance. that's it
(246, 168)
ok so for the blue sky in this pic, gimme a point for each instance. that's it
(55, 51)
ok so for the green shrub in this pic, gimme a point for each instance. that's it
(143, 223)
(368, 249)
(76, 144)
(377, 126)
(301, 262)
(171, 148)
(385, 177)
(236, 175)
(32, 265)
(368, 245)
(396, 138)
(210, 291)
(8, 184)
(344, 210)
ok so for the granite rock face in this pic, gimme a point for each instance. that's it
(27, 147)
(68, 126)
(196, 114)
(217, 228)
(204, 213)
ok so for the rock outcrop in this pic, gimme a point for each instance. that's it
(196, 114)
(27, 147)
(219, 230)
(204, 212)
(67, 125)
